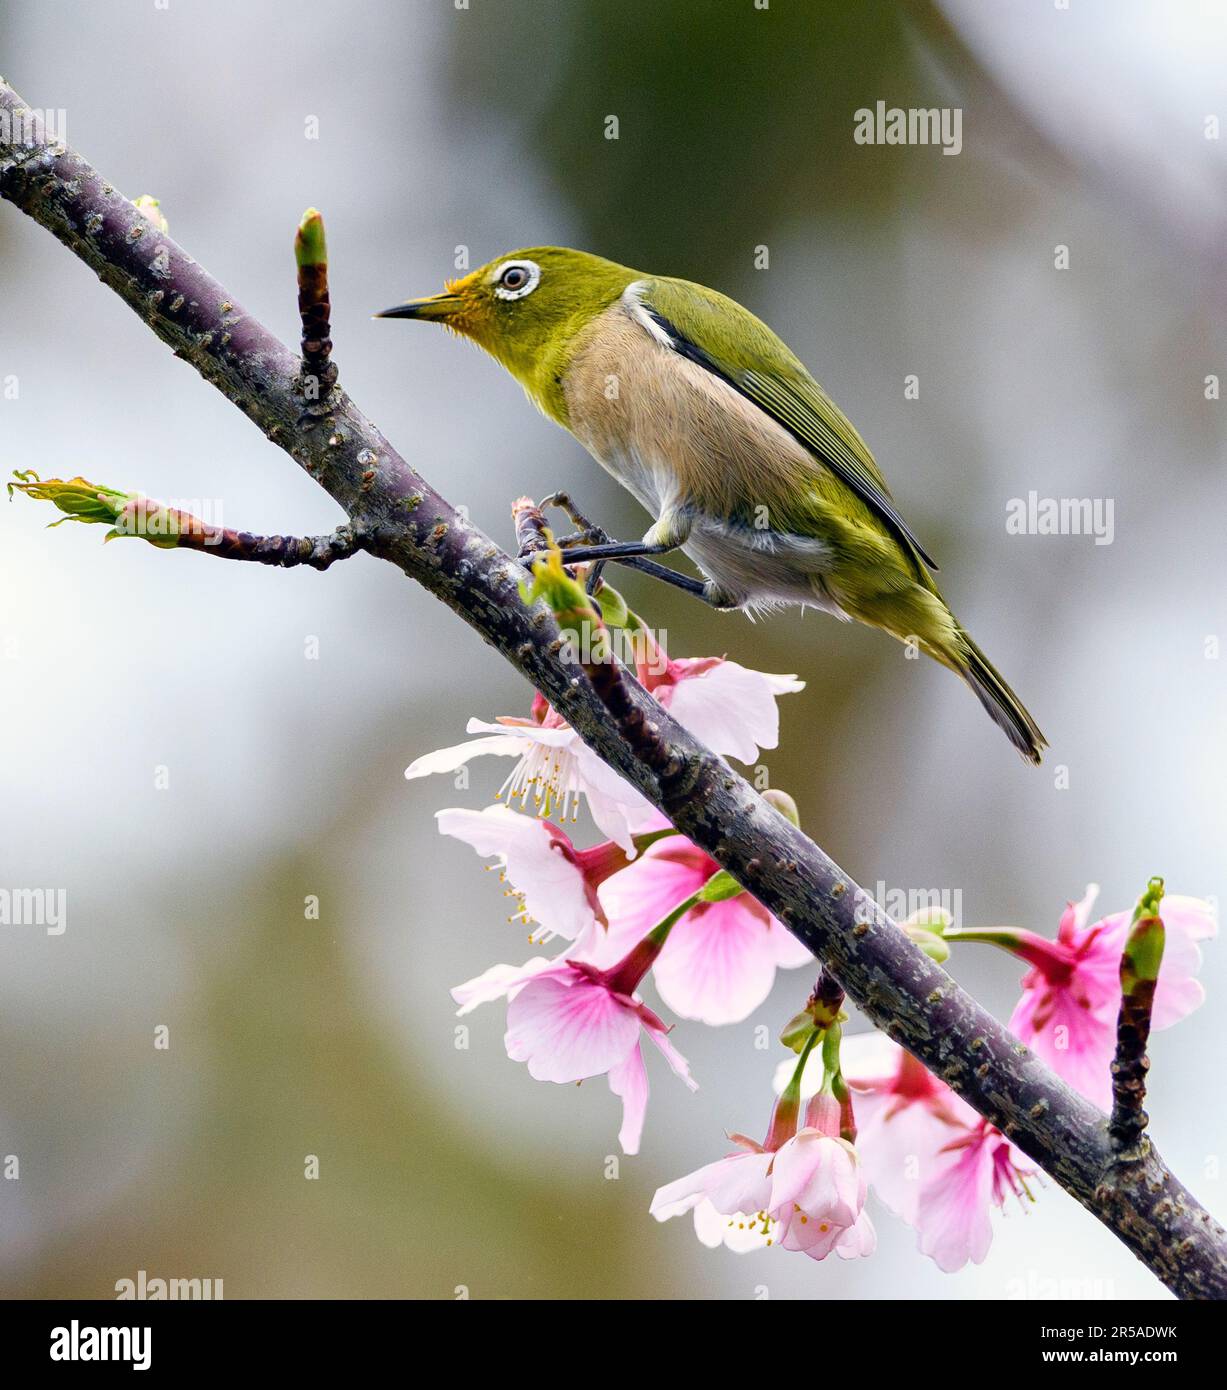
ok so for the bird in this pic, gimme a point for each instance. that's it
(717, 428)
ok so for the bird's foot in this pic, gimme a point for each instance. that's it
(592, 545)
(562, 501)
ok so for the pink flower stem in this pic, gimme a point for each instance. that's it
(1036, 950)
(788, 1107)
(626, 976)
(833, 1077)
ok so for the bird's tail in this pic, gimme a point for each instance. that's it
(1004, 708)
(915, 612)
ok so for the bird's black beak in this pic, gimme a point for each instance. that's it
(434, 308)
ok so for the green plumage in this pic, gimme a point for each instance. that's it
(705, 414)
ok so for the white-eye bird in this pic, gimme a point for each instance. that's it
(717, 428)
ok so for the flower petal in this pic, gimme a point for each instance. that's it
(739, 1183)
(719, 962)
(502, 745)
(1076, 1041)
(738, 1231)
(552, 885)
(953, 1214)
(678, 1063)
(820, 1175)
(499, 981)
(636, 898)
(629, 1080)
(898, 1144)
(560, 737)
(1186, 921)
(730, 708)
(861, 1240)
(567, 1031)
(680, 1195)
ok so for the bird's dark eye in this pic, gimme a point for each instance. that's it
(516, 279)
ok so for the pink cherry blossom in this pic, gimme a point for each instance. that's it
(719, 962)
(803, 1191)
(569, 1020)
(554, 769)
(818, 1190)
(726, 706)
(730, 1199)
(555, 883)
(1071, 996)
(969, 1176)
(928, 1155)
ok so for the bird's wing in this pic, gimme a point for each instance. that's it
(726, 339)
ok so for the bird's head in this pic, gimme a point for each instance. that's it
(524, 308)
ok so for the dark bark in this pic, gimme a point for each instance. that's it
(1128, 1121)
(287, 552)
(1139, 974)
(410, 525)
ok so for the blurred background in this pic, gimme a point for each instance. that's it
(178, 759)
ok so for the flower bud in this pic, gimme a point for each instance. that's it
(151, 209)
(578, 620)
(78, 499)
(784, 804)
(1143, 953)
(929, 942)
(613, 606)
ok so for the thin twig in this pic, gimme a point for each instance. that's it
(319, 372)
(316, 552)
(171, 528)
(1139, 974)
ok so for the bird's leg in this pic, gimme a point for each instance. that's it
(706, 589)
(590, 538)
(669, 532)
(615, 550)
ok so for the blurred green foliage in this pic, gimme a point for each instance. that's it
(732, 119)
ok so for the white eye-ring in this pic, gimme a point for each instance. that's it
(515, 279)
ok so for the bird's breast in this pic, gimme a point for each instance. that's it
(673, 433)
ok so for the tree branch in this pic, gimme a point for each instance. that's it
(131, 514)
(316, 552)
(410, 525)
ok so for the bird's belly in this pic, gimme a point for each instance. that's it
(650, 483)
(762, 568)
(756, 565)
(684, 443)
